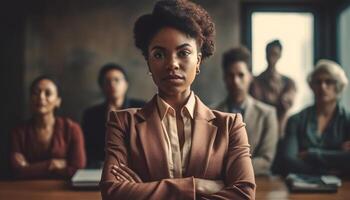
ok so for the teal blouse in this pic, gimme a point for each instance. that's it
(324, 153)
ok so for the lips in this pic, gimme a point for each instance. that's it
(173, 77)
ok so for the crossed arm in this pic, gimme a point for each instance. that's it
(61, 167)
(120, 182)
(202, 186)
(309, 160)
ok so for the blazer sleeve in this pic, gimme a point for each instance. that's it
(290, 149)
(332, 159)
(116, 152)
(238, 173)
(28, 170)
(265, 153)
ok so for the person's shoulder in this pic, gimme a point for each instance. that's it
(302, 114)
(262, 107)
(344, 111)
(136, 103)
(22, 127)
(95, 108)
(66, 121)
(123, 114)
(227, 117)
(289, 82)
(221, 106)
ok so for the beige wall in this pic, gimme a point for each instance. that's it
(72, 41)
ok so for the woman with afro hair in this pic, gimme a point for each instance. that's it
(175, 147)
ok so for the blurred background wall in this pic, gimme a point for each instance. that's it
(72, 40)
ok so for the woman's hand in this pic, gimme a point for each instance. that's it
(57, 164)
(205, 186)
(20, 159)
(123, 173)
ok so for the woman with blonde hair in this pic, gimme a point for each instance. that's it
(318, 138)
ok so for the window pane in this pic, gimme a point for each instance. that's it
(344, 47)
(295, 32)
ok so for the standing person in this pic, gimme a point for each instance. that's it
(261, 120)
(317, 138)
(46, 146)
(175, 147)
(273, 88)
(113, 81)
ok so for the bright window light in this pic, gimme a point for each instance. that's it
(344, 49)
(295, 32)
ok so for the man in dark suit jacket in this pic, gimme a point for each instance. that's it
(113, 81)
(260, 118)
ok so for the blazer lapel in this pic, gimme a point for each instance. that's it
(153, 141)
(202, 140)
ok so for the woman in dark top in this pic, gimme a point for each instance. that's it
(318, 138)
(46, 146)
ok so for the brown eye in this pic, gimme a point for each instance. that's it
(48, 93)
(158, 55)
(184, 53)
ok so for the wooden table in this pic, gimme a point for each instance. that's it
(44, 190)
(270, 188)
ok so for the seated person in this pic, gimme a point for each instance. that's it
(273, 88)
(113, 81)
(260, 118)
(46, 146)
(317, 139)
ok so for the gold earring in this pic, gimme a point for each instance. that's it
(198, 71)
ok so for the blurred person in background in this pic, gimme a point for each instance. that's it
(46, 146)
(317, 139)
(273, 88)
(260, 118)
(113, 81)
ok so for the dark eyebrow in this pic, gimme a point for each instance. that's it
(158, 47)
(178, 47)
(183, 45)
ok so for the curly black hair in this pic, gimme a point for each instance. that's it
(182, 15)
(235, 55)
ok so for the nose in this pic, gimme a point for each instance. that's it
(173, 63)
(236, 80)
(42, 95)
(323, 85)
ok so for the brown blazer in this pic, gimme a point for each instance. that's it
(220, 150)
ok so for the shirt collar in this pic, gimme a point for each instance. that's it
(164, 107)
